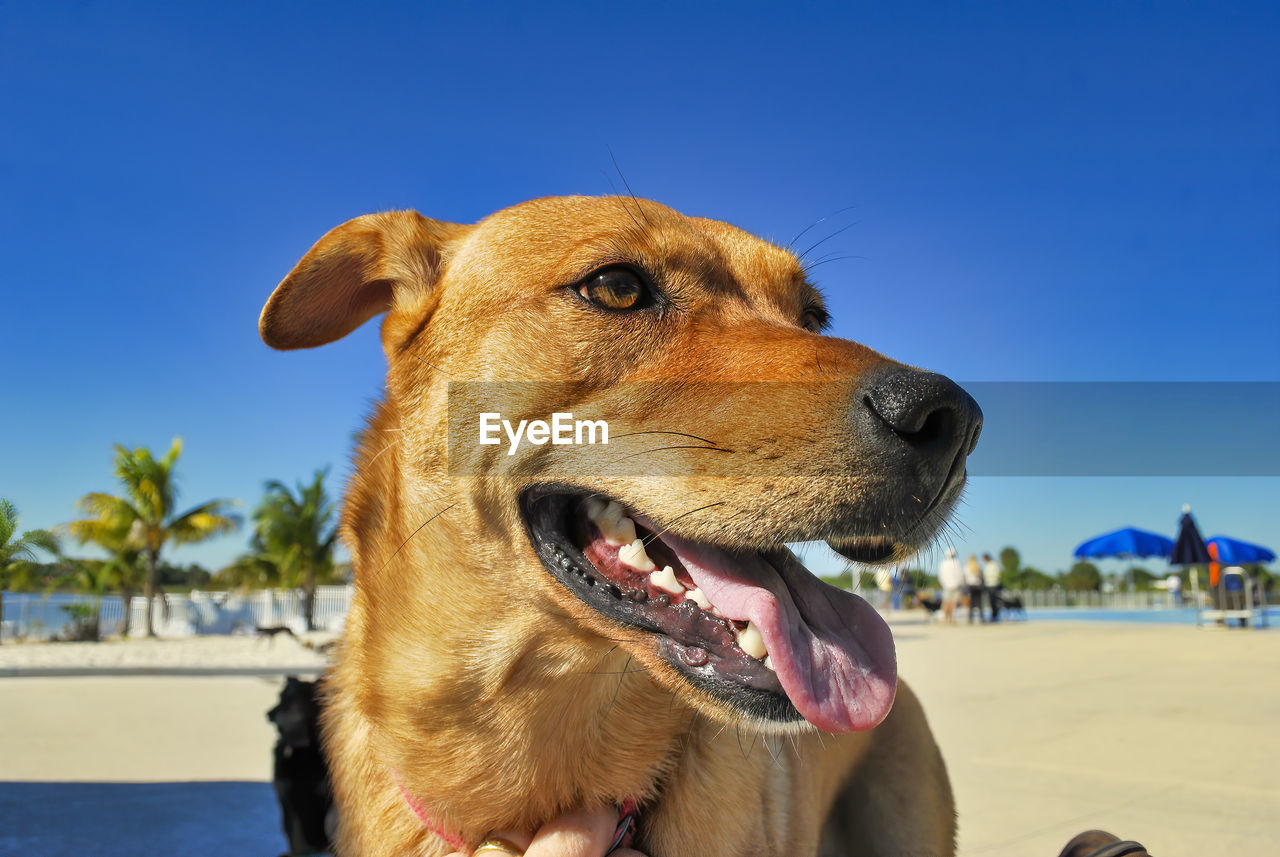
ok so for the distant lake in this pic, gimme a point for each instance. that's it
(37, 616)
(34, 615)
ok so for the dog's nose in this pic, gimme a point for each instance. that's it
(928, 412)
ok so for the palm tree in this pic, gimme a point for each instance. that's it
(144, 519)
(88, 576)
(293, 540)
(122, 571)
(16, 551)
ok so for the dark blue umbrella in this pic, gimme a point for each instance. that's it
(1129, 542)
(1188, 548)
(1236, 552)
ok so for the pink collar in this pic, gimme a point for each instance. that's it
(623, 837)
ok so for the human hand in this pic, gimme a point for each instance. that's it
(581, 833)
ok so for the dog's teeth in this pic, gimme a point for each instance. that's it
(698, 598)
(616, 528)
(768, 662)
(666, 580)
(634, 556)
(623, 532)
(751, 641)
(594, 506)
(609, 515)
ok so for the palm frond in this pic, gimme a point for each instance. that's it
(43, 540)
(110, 522)
(23, 549)
(293, 531)
(203, 522)
(8, 522)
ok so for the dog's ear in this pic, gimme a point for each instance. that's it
(357, 270)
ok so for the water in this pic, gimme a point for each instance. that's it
(32, 614)
(36, 616)
(1172, 616)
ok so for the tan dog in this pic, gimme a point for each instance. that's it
(511, 652)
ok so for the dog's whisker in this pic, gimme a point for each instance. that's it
(613, 672)
(773, 751)
(627, 185)
(720, 731)
(617, 195)
(411, 535)
(665, 448)
(606, 655)
(428, 364)
(379, 453)
(842, 258)
(678, 517)
(622, 676)
(624, 206)
(828, 238)
(664, 431)
(823, 219)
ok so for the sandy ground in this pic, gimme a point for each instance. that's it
(1166, 734)
(224, 653)
(1169, 735)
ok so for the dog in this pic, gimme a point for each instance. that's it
(931, 606)
(1013, 605)
(300, 774)
(270, 632)
(540, 627)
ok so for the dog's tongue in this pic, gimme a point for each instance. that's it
(832, 652)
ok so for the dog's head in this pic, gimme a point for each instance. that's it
(734, 426)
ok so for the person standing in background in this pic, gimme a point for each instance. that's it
(973, 581)
(993, 585)
(884, 583)
(950, 578)
(1174, 582)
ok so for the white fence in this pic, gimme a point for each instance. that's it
(34, 616)
(1154, 599)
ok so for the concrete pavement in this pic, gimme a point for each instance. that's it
(1165, 734)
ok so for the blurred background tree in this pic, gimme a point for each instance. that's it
(1081, 577)
(294, 536)
(1034, 578)
(18, 553)
(1011, 568)
(145, 519)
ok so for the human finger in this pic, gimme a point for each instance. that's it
(581, 833)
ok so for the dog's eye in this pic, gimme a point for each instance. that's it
(815, 319)
(617, 289)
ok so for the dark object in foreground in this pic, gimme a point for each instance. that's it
(1013, 605)
(270, 632)
(1099, 843)
(300, 774)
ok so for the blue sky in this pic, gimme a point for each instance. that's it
(1035, 192)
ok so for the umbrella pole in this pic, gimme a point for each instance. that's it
(1195, 593)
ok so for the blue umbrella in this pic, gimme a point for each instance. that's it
(1189, 548)
(1128, 542)
(1236, 552)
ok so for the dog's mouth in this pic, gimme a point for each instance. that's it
(753, 628)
